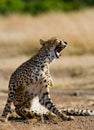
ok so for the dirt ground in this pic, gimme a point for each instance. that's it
(67, 99)
(74, 88)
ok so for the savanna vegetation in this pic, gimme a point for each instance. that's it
(20, 30)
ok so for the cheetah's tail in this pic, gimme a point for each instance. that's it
(78, 112)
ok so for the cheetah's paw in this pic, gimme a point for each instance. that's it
(3, 119)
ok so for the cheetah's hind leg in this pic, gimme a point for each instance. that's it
(24, 111)
(7, 108)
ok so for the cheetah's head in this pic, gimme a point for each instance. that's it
(53, 47)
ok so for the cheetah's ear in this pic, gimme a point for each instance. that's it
(42, 42)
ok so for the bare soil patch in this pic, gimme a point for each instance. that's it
(65, 98)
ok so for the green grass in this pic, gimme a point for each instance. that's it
(38, 6)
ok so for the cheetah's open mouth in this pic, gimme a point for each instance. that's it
(58, 49)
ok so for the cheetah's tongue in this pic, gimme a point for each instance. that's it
(57, 54)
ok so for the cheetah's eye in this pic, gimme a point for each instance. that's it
(65, 42)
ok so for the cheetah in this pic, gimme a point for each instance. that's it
(32, 79)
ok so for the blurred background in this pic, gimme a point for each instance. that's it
(24, 22)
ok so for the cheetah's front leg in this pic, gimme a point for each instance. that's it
(44, 99)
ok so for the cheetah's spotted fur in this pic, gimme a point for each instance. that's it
(32, 79)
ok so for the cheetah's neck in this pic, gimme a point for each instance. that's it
(43, 58)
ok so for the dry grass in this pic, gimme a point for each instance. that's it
(20, 34)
